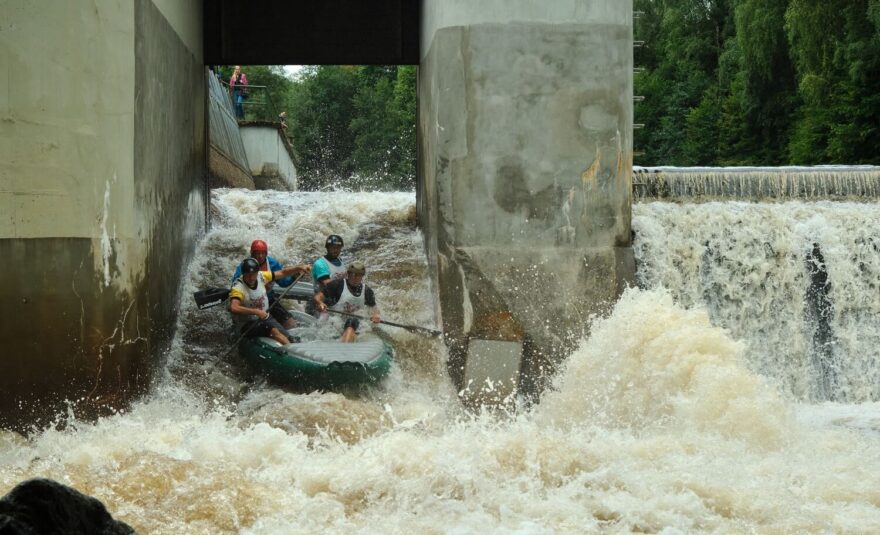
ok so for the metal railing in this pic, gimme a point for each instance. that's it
(256, 105)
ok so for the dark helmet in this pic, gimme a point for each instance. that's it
(250, 265)
(333, 239)
(259, 246)
(357, 267)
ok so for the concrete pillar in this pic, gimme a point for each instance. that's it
(102, 135)
(525, 129)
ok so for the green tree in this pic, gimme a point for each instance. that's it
(684, 40)
(765, 85)
(321, 107)
(759, 82)
(354, 127)
(374, 125)
(836, 50)
(406, 108)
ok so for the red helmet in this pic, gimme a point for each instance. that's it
(259, 246)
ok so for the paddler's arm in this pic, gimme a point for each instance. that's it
(236, 307)
(299, 269)
(319, 302)
(370, 301)
(333, 291)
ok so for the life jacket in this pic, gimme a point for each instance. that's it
(253, 297)
(336, 272)
(348, 302)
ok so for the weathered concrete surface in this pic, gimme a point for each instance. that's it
(226, 173)
(102, 126)
(269, 157)
(526, 156)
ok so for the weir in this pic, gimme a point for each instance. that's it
(701, 184)
(793, 243)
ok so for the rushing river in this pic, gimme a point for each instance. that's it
(660, 422)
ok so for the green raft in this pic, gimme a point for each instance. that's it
(316, 362)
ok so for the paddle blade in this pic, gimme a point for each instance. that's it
(210, 297)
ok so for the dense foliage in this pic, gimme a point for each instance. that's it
(352, 127)
(758, 82)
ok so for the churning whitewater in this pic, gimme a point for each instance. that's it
(798, 282)
(659, 422)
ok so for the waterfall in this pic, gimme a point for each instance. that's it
(700, 184)
(799, 282)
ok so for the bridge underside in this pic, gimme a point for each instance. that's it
(523, 190)
(312, 32)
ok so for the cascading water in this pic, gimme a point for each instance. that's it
(655, 424)
(830, 182)
(797, 281)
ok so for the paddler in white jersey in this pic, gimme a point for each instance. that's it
(349, 295)
(249, 300)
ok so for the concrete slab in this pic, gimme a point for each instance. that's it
(491, 374)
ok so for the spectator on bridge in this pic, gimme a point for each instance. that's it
(238, 84)
(349, 295)
(282, 118)
(260, 253)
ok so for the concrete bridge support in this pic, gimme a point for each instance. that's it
(102, 135)
(525, 157)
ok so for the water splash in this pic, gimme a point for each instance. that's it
(753, 266)
(655, 425)
(653, 364)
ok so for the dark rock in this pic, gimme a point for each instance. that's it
(44, 507)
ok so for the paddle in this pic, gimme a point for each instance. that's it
(414, 328)
(215, 296)
(255, 323)
(212, 297)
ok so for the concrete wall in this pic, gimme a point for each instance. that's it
(102, 128)
(525, 157)
(268, 156)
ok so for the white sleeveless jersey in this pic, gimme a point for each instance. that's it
(348, 302)
(336, 272)
(251, 298)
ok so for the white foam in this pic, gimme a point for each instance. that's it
(656, 424)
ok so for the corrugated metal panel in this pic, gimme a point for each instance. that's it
(222, 125)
